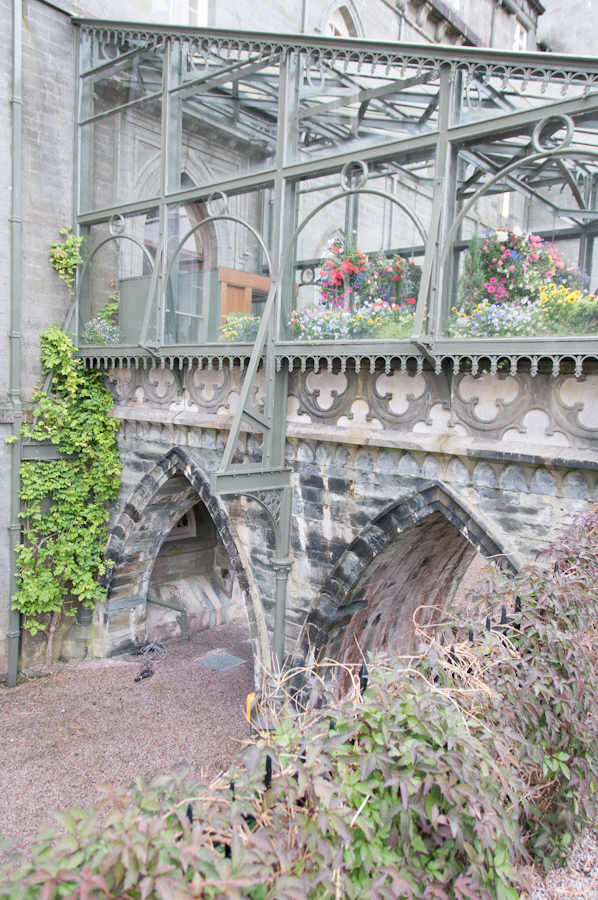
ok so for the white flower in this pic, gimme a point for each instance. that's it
(502, 236)
(517, 231)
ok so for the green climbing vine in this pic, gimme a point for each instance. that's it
(65, 502)
(65, 257)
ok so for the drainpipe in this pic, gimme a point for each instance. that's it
(14, 392)
(304, 16)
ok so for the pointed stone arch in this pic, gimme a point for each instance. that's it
(173, 485)
(411, 555)
(350, 18)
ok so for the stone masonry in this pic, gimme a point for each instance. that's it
(392, 493)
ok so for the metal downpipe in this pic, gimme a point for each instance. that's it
(14, 628)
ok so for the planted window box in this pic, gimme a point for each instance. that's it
(515, 284)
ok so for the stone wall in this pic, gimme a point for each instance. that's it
(512, 459)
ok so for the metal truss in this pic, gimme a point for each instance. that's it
(462, 126)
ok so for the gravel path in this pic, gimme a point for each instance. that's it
(578, 881)
(89, 722)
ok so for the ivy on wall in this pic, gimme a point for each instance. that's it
(65, 257)
(65, 502)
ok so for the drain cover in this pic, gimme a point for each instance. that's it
(222, 661)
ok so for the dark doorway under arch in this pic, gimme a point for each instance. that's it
(399, 575)
(194, 570)
(175, 488)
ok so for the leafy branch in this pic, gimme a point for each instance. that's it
(65, 257)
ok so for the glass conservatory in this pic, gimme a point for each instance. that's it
(355, 199)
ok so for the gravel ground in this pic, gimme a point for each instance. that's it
(578, 881)
(89, 722)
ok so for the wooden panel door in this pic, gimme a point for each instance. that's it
(237, 290)
(235, 299)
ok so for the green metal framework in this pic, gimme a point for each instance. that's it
(297, 128)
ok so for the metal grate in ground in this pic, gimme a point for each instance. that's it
(222, 661)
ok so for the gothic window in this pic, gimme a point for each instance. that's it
(340, 23)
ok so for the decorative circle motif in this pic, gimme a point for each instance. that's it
(116, 224)
(308, 275)
(310, 65)
(109, 49)
(473, 101)
(346, 174)
(569, 124)
(212, 201)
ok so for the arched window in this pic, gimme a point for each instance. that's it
(341, 24)
(187, 293)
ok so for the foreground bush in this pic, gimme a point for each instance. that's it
(542, 674)
(449, 771)
(402, 797)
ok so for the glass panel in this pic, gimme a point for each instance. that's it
(520, 259)
(219, 279)
(357, 262)
(485, 93)
(132, 79)
(120, 157)
(115, 287)
(225, 125)
(345, 107)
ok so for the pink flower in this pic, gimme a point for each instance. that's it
(495, 259)
(485, 248)
(490, 288)
(511, 268)
(493, 281)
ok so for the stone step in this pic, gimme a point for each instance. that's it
(205, 599)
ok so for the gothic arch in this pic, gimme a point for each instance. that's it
(350, 16)
(156, 504)
(413, 554)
